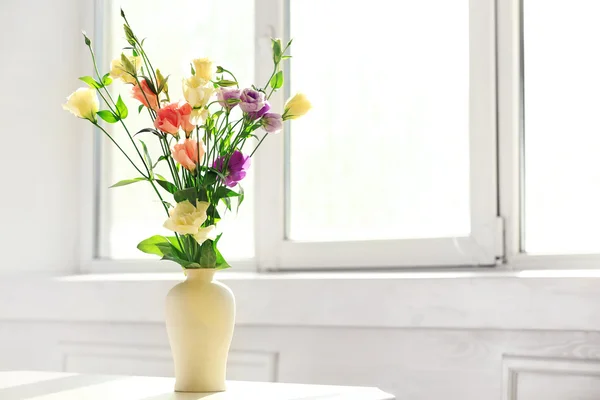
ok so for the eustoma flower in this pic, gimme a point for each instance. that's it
(196, 91)
(204, 68)
(185, 110)
(236, 168)
(168, 119)
(258, 114)
(143, 92)
(296, 107)
(228, 97)
(188, 153)
(272, 122)
(83, 103)
(186, 218)
(252, 100)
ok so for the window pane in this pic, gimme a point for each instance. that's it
(133, 213)
(562, 140)
(384, 154)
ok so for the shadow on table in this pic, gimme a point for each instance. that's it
(45, 387)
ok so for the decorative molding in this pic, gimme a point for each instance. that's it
(136, 359)
(513, 366)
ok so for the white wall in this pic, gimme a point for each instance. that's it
(42, 50)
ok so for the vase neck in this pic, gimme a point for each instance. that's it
(200, 274)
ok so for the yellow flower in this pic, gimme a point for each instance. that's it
(187, 219)
(203, 234)
(204, 68)
(296, 107)
(83, 103)
(196, 92)
(118, 70)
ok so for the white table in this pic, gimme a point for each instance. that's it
(21, 385)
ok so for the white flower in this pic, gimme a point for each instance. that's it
(204, 68)
(83, 103)
(203, 234)
(197, 92)
(187, 219)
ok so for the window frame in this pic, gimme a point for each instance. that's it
(511, 116)
(480, 248)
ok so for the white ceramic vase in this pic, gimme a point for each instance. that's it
(200, 316)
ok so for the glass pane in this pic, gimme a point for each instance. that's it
(133, 213)
(562, 140)
(384, 154)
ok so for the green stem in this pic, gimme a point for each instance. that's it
(258, 145)
(119, 147)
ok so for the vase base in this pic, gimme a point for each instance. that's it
(198, 391)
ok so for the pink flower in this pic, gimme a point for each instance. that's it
(185, 110)
(168, 119)
(138, 94)
(272, 122)
(188, 153)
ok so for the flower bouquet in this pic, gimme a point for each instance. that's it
(203, 138)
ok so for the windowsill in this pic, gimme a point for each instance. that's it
(311, 276)
(482, 299)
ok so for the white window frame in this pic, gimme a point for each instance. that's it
(275, 252)
(510, 145)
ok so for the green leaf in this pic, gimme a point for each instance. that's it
(192, 70)
(277, 80)
(150, 84)
(202, 194)
(209, 179)
(222, 193)
(150, 245)
(106, 79)
(220, 261)
(140, 108)
(188, 194)
(122, 108)
(208, 256)
(286, 57)
(108, 116)
(168, 186)
(126, 182)
(91, 82)
(161, 158)
(226, 82)
(163, 82)
(240, 198)
(151, 130)
(212, 210)
(147, 159)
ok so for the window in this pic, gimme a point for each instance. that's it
(561, 128)
(394, 167)
(436, 124)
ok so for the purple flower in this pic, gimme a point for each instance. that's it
(252, 100)
(235, 170)
(272, 122)
(256, 115)
(225, 94)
